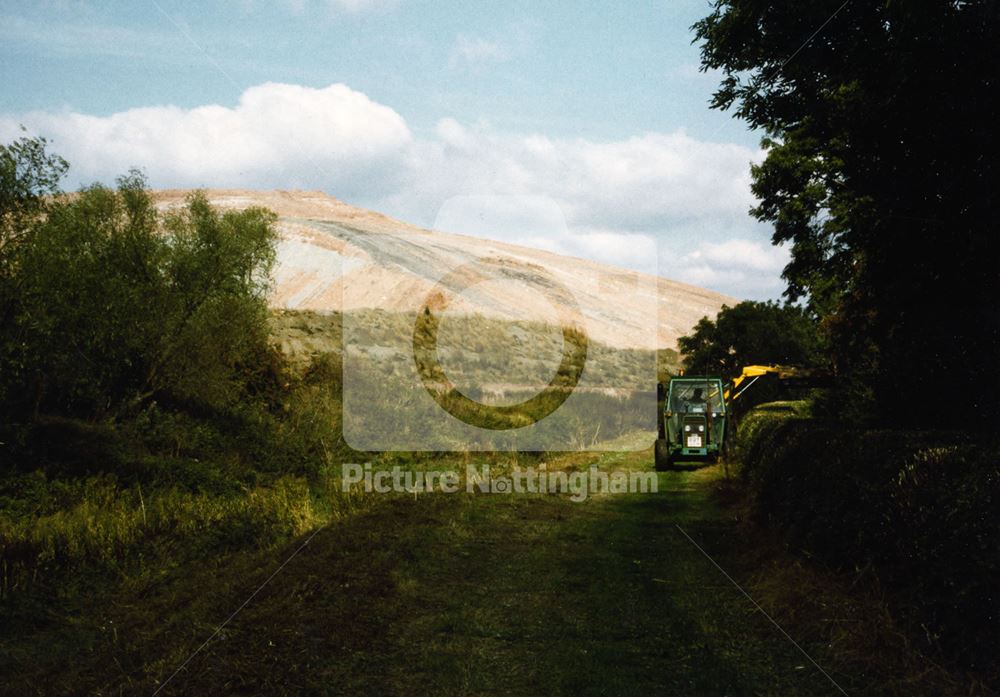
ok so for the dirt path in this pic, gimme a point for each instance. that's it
(484, 595)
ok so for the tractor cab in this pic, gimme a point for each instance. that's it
(693, 422)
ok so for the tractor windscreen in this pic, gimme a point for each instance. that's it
(695, 397)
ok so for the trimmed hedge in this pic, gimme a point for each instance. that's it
(917, 508)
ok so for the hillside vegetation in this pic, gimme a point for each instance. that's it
(155, 410)
(142, 401)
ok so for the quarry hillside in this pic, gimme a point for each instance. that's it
(336, 257)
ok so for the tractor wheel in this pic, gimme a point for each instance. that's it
(661, 455)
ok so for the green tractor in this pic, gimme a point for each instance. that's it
(692, 427)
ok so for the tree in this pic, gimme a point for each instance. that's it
(878, 117)
(29, 179)
(28, 174)
(750, 333)
(109, 305)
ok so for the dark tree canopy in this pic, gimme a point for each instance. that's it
(107, 304)
(750, 333)
(878, 175)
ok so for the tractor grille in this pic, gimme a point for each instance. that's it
(694, 432)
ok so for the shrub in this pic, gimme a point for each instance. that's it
(916, 508)
(107, 305)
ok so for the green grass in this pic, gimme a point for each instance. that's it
(473, 594)
(102, 524)
(123, 549)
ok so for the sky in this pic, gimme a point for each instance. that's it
(415, 109)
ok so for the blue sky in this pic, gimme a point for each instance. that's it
(399, 105)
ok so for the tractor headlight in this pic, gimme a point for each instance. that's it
(687, 427)
(701, 428)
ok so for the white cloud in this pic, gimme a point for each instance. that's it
(628, 250)
(742, 253)
(277, 135)
(636, 184)
(689, 195)
(740, 267)
(538, 221)
(477, 50)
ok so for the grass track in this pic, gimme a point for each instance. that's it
(448, 595)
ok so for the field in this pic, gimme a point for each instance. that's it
(478, 594)
(207, 555)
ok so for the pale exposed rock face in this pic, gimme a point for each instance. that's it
(336, 257)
